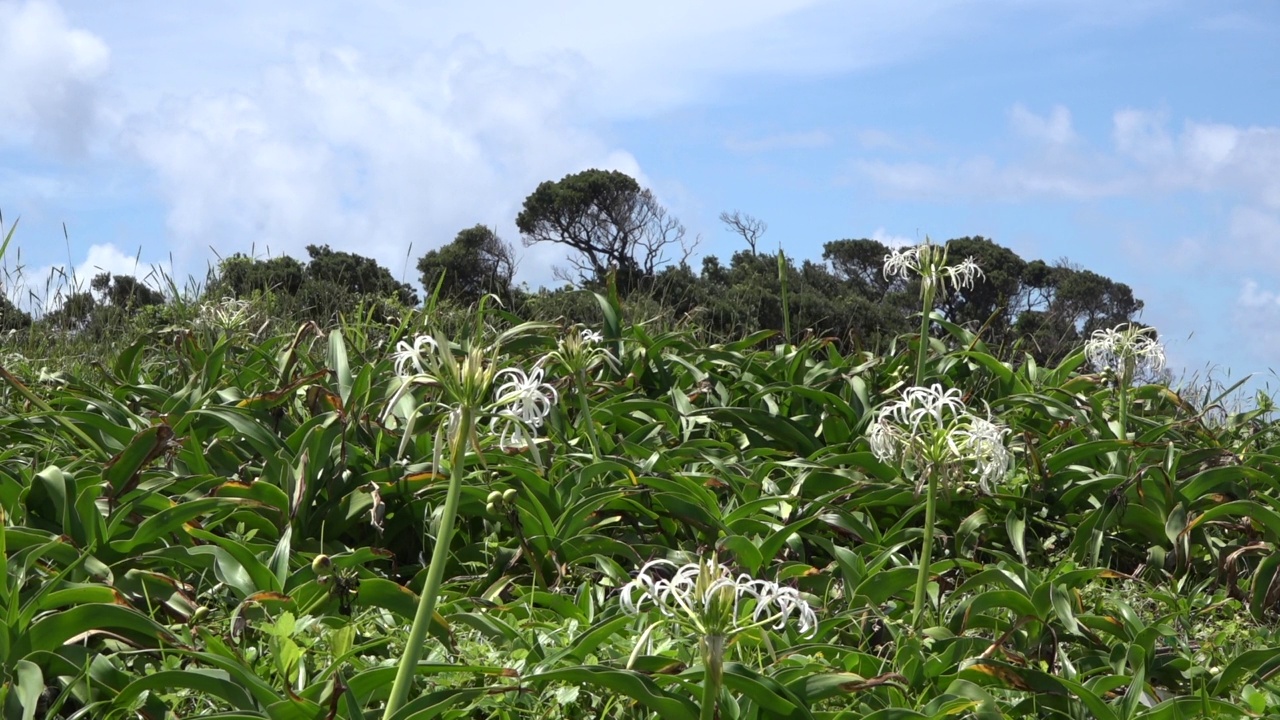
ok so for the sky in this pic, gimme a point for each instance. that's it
(1140, 140)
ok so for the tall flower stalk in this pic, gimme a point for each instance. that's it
(464, 387)
(579, 352)
(935, 438)
(1124, 351)
(706, 600)
(929, 263)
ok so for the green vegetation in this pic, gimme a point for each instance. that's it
(265, 501)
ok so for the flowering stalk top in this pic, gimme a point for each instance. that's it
(412, 358)
(929, 263)
(707, 598)
(1125, 349)
(527, 400)
(930, 429)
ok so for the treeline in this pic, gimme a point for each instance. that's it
(615, 231)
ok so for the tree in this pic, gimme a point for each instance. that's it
(751, 229)
(1061, 305)
(861, 264)
(125, 291)
(356, 274)
(609, 221)
(476, 263)
(240, 276)
(12, 317)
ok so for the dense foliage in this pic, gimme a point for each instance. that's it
(231, 516)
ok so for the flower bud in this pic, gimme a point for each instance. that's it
(322, 566)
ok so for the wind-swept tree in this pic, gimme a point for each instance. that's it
(608, 221)
(477, 262)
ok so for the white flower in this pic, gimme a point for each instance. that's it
(706, 597)
(982, 441)
(528, 401)
(227, 314)
(930, 429)
(591, 336)
(904, 262)
(928, 262)
(1125, 349)
(413, 356)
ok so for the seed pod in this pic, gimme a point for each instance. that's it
(322, 566)
(200, 614)
(495, 498)
(491, 509)
(509, 495)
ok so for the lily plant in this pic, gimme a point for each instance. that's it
(1123, 352)
(929, 263)
(464, 384)
(709, 602)
(932, 435)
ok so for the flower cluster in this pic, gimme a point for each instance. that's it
(527, 401)
(706, 597)
(1125, 350)
(579, 351)
(931, 430)
(411, 358)
(928, 261)
(227, 314)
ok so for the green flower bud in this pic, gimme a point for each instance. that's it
(322, 566)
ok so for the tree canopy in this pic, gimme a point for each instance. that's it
(477, 262)
(609, 223)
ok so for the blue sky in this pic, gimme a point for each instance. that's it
(1140, 140)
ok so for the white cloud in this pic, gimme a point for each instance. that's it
(1053, 129)
(49, 75)
(1252, 296)
(883, 236)
(340, 149)
(1257, 318)
(44, 288)
(1145, 157)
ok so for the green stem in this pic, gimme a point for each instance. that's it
(435, 571)
(926, 552)
(712, 674)
(579, 379)
(1122, 416)
(922, 356)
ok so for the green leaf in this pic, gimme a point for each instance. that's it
(121, 472)
(24, 698)
(638, 687)
(51, 631)
(339, 365)
(769, 694)
(216, 683)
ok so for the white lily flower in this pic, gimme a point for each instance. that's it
(982, 441)
(932, 429)
(413, 356)
(707, 597)
(591, 336)
(1125, 349)
(528, 401)
(227, 314)
(927, 261)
